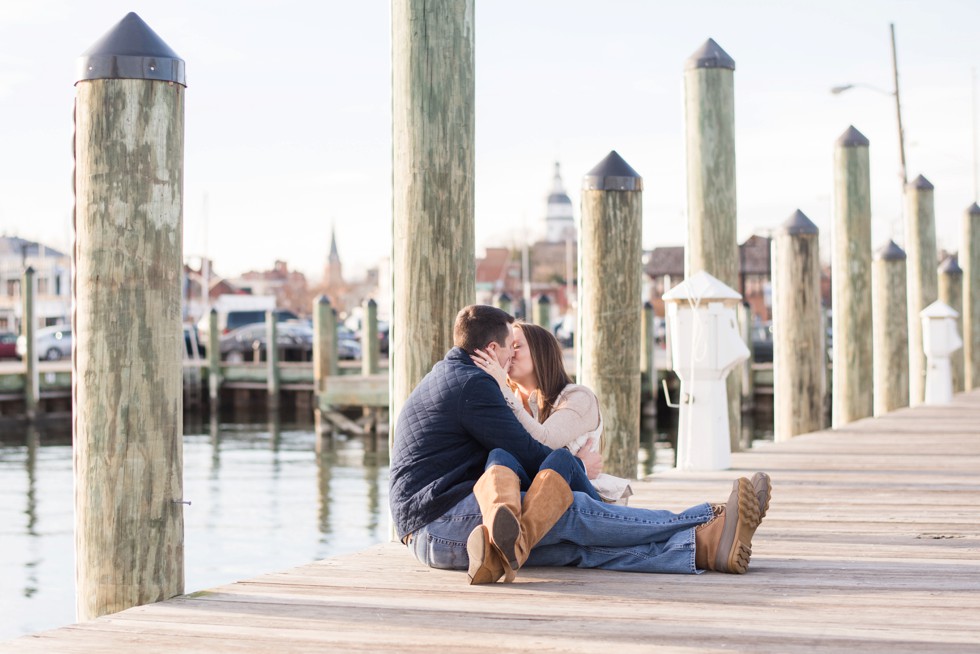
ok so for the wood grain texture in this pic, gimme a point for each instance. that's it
(891, 336)
(870, 544)
(433, 248)
(970, 263)
(127, 372)
(923, 285)
(798, 353)
(609, 306)
(712, 245)
(951, 292)
(853, 368)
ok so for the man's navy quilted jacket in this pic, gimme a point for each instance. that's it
(445, 431)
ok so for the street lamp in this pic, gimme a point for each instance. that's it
(837, 90)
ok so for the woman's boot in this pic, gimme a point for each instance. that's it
(544, 504)
(498, 492)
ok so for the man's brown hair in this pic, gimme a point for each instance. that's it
(548, 364)
(478, 325)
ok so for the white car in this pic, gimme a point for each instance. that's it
(53, 343)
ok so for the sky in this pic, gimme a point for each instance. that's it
(288, 114)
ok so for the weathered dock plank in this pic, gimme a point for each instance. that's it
(872, 543)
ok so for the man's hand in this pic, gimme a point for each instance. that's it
(592, 460)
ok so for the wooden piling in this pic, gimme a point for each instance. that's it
(433, 249)
(214, 361)
(891, 330)
(504, 303)
(648, 369)
(28, 328)
(609, 299)
(920, 246)
(370, 348)
(272, 360)
(324, 335)
(970, 262)
(950, 279)
(542, 312)
(853, 396)
(709, 109)
(126, 299)
(798, 354)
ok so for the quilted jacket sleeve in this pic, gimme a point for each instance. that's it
(486, 416)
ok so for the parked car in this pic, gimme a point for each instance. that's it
(8, 345)
(762, 343)
(53, 343)
(295, 340)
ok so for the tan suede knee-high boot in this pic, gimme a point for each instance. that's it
(544, 503)
(498, 492)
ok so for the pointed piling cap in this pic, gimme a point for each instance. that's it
(950, 266)
(131, 50)
(920, 183)
(973, 209)
(798, 223)
(890, 252)
(612, 174)
(851, 138)
(709, 55)
(544, 299)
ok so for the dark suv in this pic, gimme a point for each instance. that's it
(236, 319)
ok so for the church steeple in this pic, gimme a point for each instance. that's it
(559, 219)
(334, 256)
(333, 277)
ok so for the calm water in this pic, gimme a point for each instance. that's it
(262, 501)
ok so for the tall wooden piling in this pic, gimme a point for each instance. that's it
(542, 312)
(970, 262)
(433, 249)
(609, 288)
(504, 303)
(709, 110)
(950, 278)
(853, 395)
(648, 369)
(798, 354)
(324, 337)
(920, 246)
(126, 299)
(28, 328)
(891, 330)
(370, 348)
(214, 361)
(272, 360)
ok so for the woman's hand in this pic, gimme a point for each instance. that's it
(489, 364)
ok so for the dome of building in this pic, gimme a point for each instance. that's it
(560, 218)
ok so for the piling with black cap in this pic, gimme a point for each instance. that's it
(853, 396)
(370, 348)
(951, 292)
(504, 303)
(712, 246)
(127, 364)
(541, 311)
(923, 285)
(28, 329)
(799, 371)
(433, 135)
(970, 262)
(609, 305)
(891, 329)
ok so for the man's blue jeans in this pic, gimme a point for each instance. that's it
(591, 534)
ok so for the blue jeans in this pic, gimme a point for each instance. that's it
(561, 461)
(591, 534)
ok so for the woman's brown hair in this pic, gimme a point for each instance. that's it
(549, 366)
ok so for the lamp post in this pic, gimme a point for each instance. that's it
(837, 90)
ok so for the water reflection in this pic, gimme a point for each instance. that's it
(31, 566)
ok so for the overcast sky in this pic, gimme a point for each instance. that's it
(288, 120)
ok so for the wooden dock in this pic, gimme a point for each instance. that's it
(872, 543)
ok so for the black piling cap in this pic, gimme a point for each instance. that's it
(323, 299)
(950, 266)
(798, 224)
(131, 50)
(647, 305)
(504, 297)
(974, 209)
(920, 183)
(371, 303)
(851, 138)
(709, 55)
(612, 174)
(544, 299)
(890, 252)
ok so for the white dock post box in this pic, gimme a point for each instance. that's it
(939, 341)
(706, 344)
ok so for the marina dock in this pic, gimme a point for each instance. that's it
(872, 543)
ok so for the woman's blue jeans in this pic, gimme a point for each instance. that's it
(591, 534)
(561, 461)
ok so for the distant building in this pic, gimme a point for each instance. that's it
(559, 217)
(288, 286)
(52, 299)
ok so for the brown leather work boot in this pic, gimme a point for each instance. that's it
(724, 543)
(498, 492)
